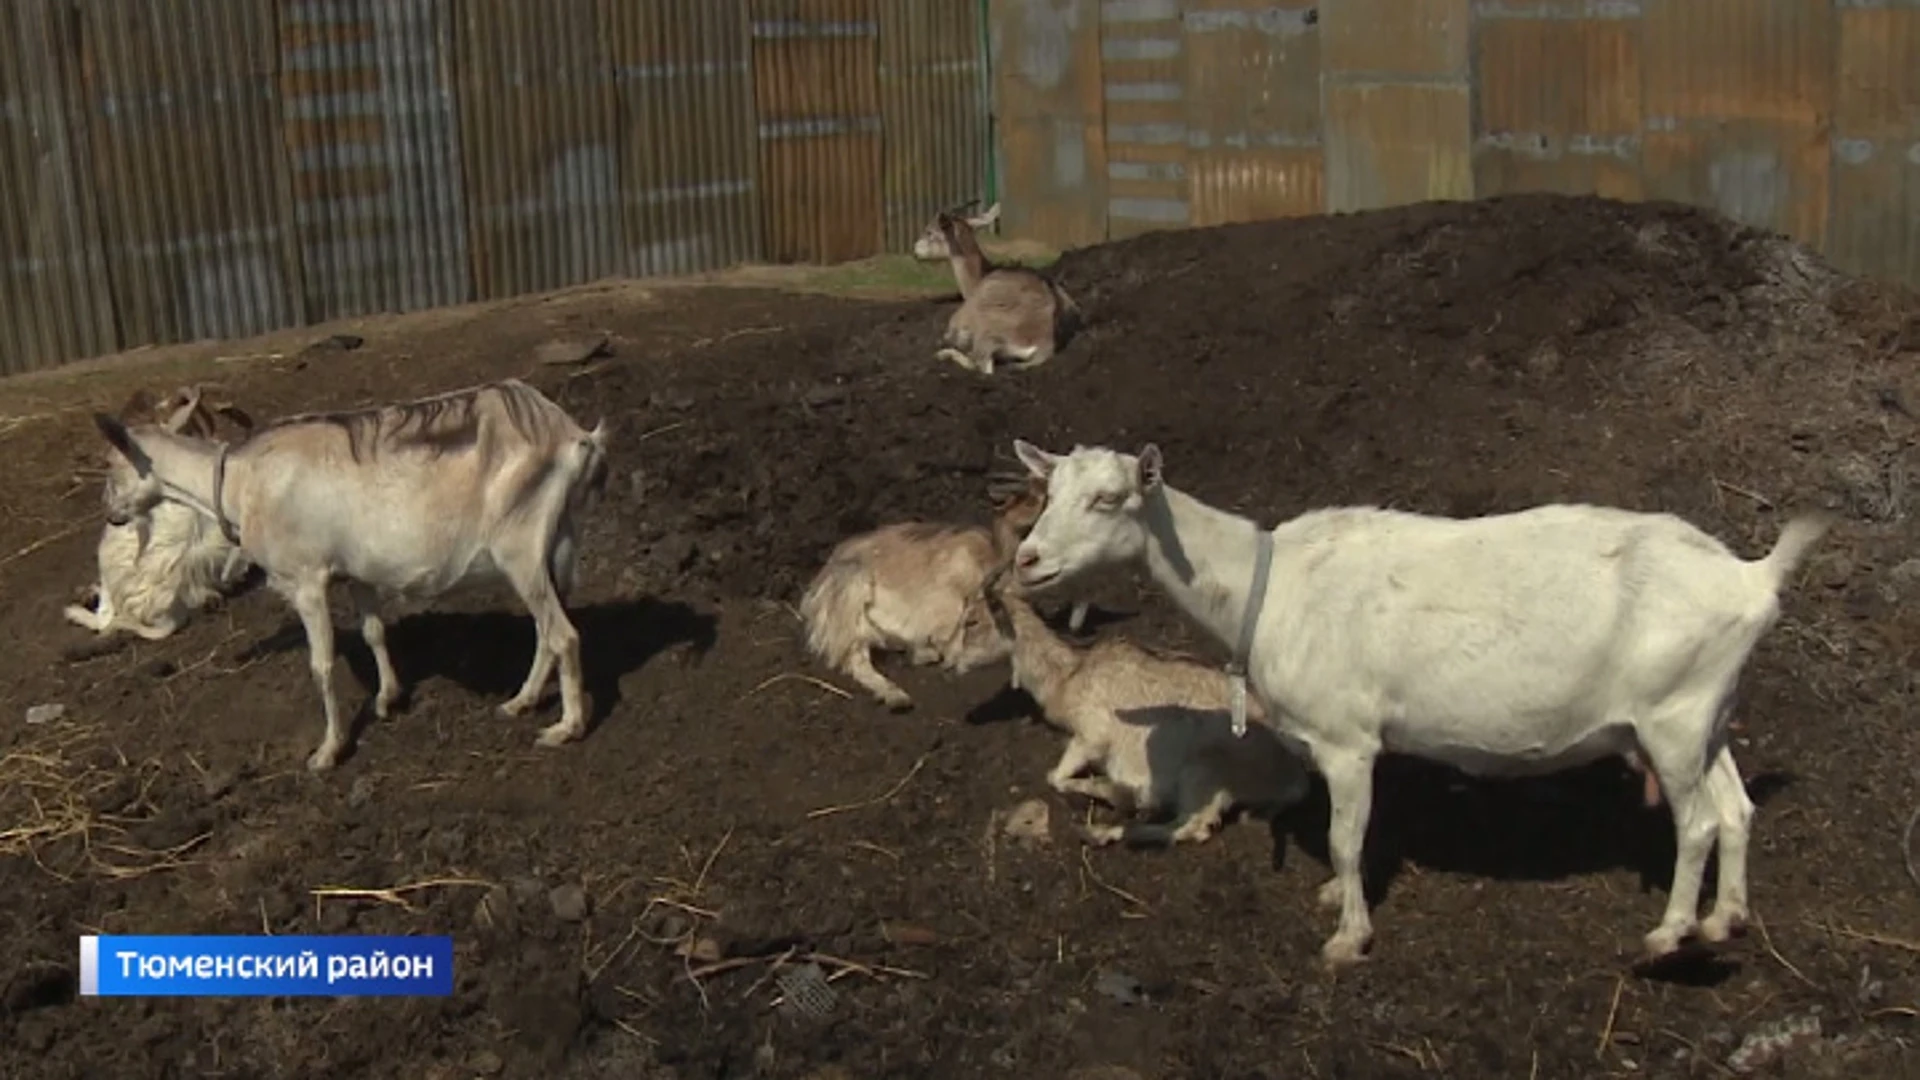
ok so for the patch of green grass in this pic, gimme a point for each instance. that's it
(904, 274)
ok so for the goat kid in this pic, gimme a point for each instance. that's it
(1157, 728)
(1007, 313)
(1508, 645)
(404, 501)
(155, 576)
(915, 588)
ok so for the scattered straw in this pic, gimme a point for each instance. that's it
(889, 794)
(1086, 869)
(1904, 944)
(48, 794)
(395, 895)
(784, 676)
(661, 430)
(1613, 1013)
(1764, 502)
(1766, 939)
(635, 1032)
(68, 530)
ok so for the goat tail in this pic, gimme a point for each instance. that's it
(592, 452)
(834, 608)
(1069, 318)
(1796, 540)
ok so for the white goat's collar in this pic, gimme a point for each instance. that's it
(1249, 619)
(227, 528)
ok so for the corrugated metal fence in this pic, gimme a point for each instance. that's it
(1797, 115)
(179, 170)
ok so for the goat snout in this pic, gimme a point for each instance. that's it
(118, 518)
(1026, 558)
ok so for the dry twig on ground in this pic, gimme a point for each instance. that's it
(395, 895)
(875, 801)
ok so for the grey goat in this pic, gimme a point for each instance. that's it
(405, 501)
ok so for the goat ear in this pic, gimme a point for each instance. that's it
(117, 435)
(985, 217)
(1151, 467)
(1038, 461)
(238, 415)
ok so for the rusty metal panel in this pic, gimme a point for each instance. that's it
(54, 301)
(1404, 39)
(1558, 101)
(1878, 95)
(933, 92)
(373, 155)
(689, 155)
(1143, 63)
(1390, 144)
(1252, 93)
(1739, 95)
(1397, 102)
(1875, 227)
(1739, 59)
(1876, 219)
(183, 116)
(540, 145)
(1050, 117)
(816, 80)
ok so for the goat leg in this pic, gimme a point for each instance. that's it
(556, 641)
(374, 632)
(859, 667)
(310, 602)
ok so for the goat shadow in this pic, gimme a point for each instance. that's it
(1583, 820)
(490, 652)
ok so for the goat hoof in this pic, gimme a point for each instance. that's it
(1718, 926)
(558, 735)
(1103, 835)
(512, 709)
(322, 760)
(1665, 942)
(1342, 952)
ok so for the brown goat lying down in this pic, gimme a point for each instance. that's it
(1157, 727)
(915, 588)
(1011, 314)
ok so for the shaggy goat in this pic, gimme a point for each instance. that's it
(1508, 645)
(1007, 313)
(408, 500)
(1156, 727)
(154, 576)
(914, 587)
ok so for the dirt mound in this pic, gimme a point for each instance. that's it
(1459, 358)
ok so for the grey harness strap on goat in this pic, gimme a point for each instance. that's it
(1250, 618)
(227, 527)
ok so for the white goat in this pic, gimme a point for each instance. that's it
(1156, 727)
(1514, 644)
(408, 501)
(1012, 313)
(156, 575)
(914, 587)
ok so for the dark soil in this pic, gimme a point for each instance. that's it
(1451, 358)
